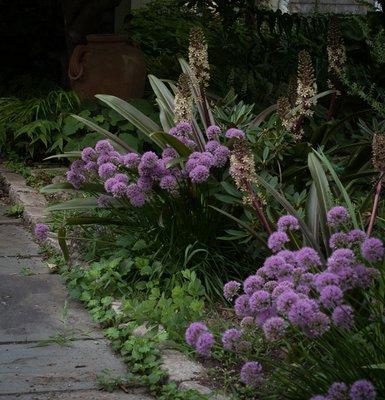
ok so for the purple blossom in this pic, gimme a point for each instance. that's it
(231, 338)
(241, 306)
(251, 373)
(356, 236)
(148, 163)
(325, 279)
(341, 258)
(221, 155)
(260, 300)
(317, 325)
(169, 152)
(104, 200)
(277, 241)
(235, 133)
(103, 158)
(288, 256)
(337, 240)
(307, 258)
(331, 296)
(135, 195)
(362, 390)
(109, 183)
(119, 189)
(274, 328)
(247, 322)
(123, 178)
(91, 166)
(253, 283)
(302, 312)
(130, 160)
(144, 183)
(75, 178)
(168, 182)
(41, 232)
(348, 278)
(266, 313)
(231, 289)
(194, 331)
(103, 146)
(365, 276)
(212, 145)
(338, 391)
(288, 222)
(212, 131)
(272, 266)
(205, 343)
(372, 249)
(286, 300)
(281, 288)
(343, 316)
(88, 154)
(199, 174)
(106, 170)
(337, 216)
(183, 128)
(269, 286)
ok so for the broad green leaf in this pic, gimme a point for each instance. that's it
(119, 142)
(75, 204)
(69, 155)
(61, 237)
(93, 220)
(85, 187)
(312, 213)
(166, 139)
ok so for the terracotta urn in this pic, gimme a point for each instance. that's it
(107, 64)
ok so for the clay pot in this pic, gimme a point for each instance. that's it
(107, 65)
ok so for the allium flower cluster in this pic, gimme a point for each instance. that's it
(359, 390)
(295, 289)
(41, 232)
(198, 336)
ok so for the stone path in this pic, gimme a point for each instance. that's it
(49, 348)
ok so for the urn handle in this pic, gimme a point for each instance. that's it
(76, 67)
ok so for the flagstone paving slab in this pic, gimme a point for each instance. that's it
(25, 368)
(36, 307)
(16, 241)
(81, 395)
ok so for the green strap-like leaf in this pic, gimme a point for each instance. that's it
(119, 142)
(172, 141)
(75, 204)
(70, 155)
(85, 187)
(61, 237)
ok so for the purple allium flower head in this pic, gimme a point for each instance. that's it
(144, 183)
(317, 325)
(372, 249)
(119, 189)
(104, 200)
(281, 288)
(269, 286)
(348, 278)
(231, 338)
(341, 258)
(212, 145)
(288, 256)
(231, 289)
(123, 178)
(235, 133)
(272, 266)
(221, 155)
(338, 240)
(103, 146)
(253, 283)
(362, 390)
(41, 232)
(337, 216)
(338, 391)
(288, 222)
(135, 195)
(277, 241)
(307, 258)
(183, 128)
(103, 158)
(130, 160)
(75, 178)
(212, 131)
(205, 343)
(356, 237)
(260, 300)
(263, 315)
(325, 279)
(168, 182)
(173, 131)
(91, 166)
(286, 300)
(106, 170)
(241, 306)
(169, 152)
(331, 296)
(302, 312)
(88, 154)
(194, 331)
(247, 322)
(365, 276)
(199, 174)
(251, 373)
(343, 316)
(274, 328)
(109, 183)
(148, 163)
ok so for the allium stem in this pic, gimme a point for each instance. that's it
(258, 208)
(375, 205)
